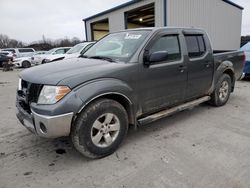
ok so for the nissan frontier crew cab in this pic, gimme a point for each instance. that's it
(132, 77)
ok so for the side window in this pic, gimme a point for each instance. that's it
(66, 49)
(201, 45)
(25, 50)
(169, 43)
(195, 45)
(60, 51)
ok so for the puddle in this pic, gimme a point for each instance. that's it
(2, 83)
(60, 151)
(27, 173)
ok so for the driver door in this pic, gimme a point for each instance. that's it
(163, 83)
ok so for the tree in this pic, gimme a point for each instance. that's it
(44, 44)
(6, 42)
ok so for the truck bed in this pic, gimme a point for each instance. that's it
(234, 57)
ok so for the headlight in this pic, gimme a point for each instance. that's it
(19, 84)
(46, 60)
(52, 94)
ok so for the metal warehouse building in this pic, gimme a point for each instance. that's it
(220, 18)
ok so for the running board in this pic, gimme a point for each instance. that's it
(171, 111)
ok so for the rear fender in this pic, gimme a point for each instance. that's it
(225, 67)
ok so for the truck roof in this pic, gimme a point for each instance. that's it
(178, 29)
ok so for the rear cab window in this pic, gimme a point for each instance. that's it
(195, 45)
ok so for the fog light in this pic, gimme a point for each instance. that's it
(43, 128)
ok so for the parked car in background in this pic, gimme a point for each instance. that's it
(75, 51)
(93, 99)
(22, 62)
(26, 62)
(40, 58)
(8, 54)
(246, 50)
(20, 52)
(40, 52)
(78, 49)
(247, 69)
(36, 56)
(4, 58)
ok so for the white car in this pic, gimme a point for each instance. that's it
(36, 56)
(78, 49)
(8, 54)
(20, 52)
(41, 59)
(75, 51)
(24, 62)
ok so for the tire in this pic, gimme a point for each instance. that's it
(43, 61)
(26, 64)
(222, 91)
(100, 129)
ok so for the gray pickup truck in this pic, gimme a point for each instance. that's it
(132, 77)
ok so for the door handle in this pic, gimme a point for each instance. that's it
(207, 64)
(182, 68)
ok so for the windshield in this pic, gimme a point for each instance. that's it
(77, 48)
(118, 46)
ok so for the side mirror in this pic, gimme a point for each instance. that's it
(158, 56)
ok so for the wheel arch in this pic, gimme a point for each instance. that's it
(25, 61)
(225, 67)
(118, 97)
(231, 74)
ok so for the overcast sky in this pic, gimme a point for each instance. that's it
(29, 20)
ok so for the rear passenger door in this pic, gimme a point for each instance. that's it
(200, 66)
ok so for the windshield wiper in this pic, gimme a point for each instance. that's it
(102, 58)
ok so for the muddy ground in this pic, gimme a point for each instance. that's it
(200, 148)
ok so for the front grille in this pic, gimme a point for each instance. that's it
(28, 94)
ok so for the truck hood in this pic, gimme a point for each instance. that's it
(71, 72)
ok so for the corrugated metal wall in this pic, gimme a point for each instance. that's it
(117, 21)
(222, 21)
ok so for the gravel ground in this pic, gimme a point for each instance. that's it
(203, 147)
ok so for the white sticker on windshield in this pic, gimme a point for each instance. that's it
(132, 36)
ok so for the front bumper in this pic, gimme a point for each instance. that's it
(45, 126)
(34, 62)
(243, 76)
(17, 64)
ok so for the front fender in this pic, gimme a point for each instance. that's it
(91, 90)
(82, 95)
